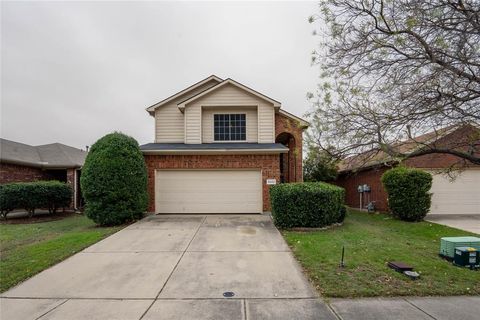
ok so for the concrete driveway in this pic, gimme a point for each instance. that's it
(174, 267)
(467, 222)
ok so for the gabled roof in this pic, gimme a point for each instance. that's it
(54, 155)
(225, 82)
(303, 123)
(152, 108)
(377, 157)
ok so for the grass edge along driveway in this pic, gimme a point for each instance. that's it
(371, 240)
(27, 249)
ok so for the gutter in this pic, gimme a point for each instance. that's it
(213, 151)
(368, 167)
(40, 165)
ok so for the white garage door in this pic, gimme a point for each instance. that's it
(461, 196)
(208, 191)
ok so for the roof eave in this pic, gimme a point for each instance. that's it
(40, 165)
(303, 123)
(213, 151)
(367, 167)
(151, 109)
(276, 104)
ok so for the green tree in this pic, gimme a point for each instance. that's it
(114, 180)
(393, 70)
(319, 166)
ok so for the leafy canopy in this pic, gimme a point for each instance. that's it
(318, 165)
(392, 70)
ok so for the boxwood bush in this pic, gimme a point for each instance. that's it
(114, 180)
(30, 196)
(408, 192)
(309, 204)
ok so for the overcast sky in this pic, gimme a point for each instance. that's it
(72, 72)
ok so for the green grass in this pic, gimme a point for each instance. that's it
(370, 242)
(27, 249)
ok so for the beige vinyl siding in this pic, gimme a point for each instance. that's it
(208, 191)
(251, 122)
(231, 96)
(193, 125)
(169, 121)
(169, 124)
(266, 124)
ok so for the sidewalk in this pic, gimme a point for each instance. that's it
(408, 308)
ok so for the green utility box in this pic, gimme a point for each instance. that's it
(448, 245)
(467, 257)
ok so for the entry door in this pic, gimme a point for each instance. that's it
(208, 191)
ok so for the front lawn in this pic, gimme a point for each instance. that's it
(370, 242)
(26, 249)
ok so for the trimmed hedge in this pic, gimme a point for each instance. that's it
(408, 192)
(307, 205)
(30, 196)
(114, 180)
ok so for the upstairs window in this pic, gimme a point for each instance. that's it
(229, 127)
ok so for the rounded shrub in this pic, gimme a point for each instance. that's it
(408, 192)
(307, 205)
(114, 180)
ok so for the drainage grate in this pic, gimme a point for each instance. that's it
(228, 294)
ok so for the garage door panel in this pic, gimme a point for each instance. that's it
(458, 196)
(207, 208)
(204, 197)
(189, 187)
(208, 191)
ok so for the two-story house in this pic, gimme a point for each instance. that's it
(218, 147)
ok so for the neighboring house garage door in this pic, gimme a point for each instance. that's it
(208, 191)
(460, 196)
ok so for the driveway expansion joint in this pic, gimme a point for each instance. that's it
(63, 302)
(416, 307)
(174, 268)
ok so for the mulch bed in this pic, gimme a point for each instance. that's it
(37, 218)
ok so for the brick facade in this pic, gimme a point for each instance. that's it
(457, 139)
(288, 125)
(16, 173)
(71, 181)
(350, 182)
(269, 164)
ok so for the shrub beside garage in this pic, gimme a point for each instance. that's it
(408, 189)
(307, 205)
(30, 196)
(114, 180)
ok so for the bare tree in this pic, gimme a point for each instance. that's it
(393, 70)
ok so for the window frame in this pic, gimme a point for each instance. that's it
(229, 114)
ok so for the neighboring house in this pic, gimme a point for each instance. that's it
(21, 162)
(450, 196)
(218, 147)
